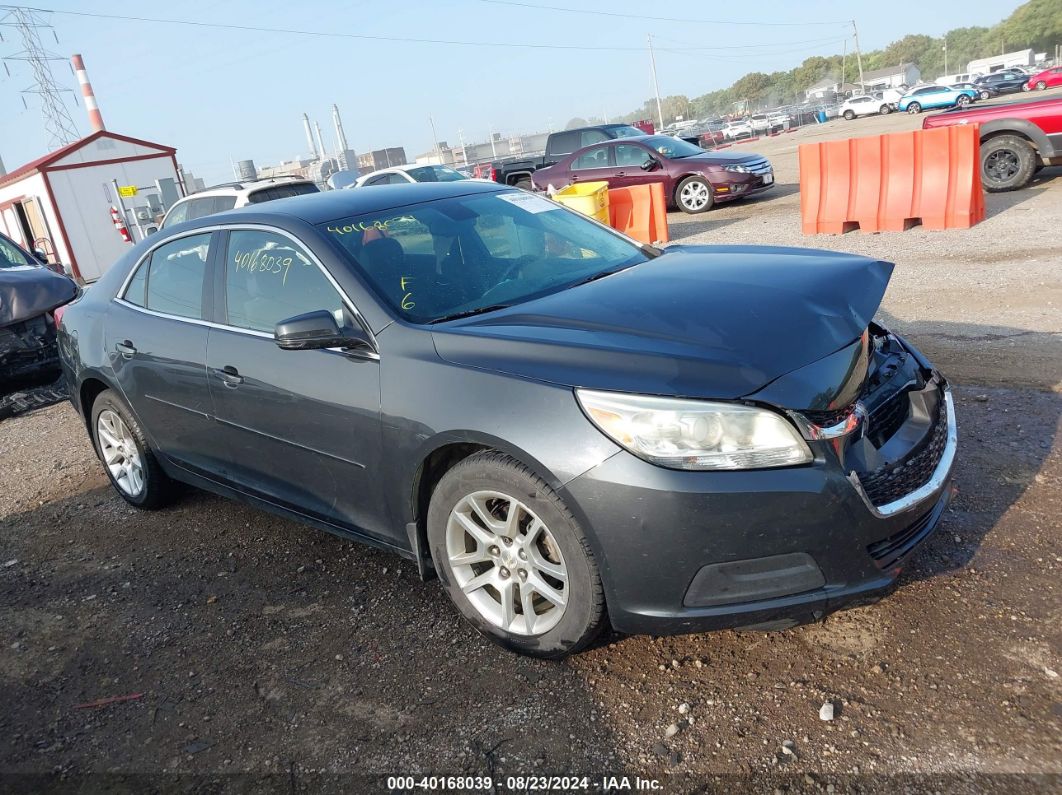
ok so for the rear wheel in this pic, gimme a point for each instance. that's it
(513, 558)
(985, 95)
(694, 195)
(848, 114)
(885, 109)
(914, 107)
(131, 467)
(524, 184)
(1007, 163)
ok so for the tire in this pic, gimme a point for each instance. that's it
(135, 474)
(553, 541)
(885, 109)
(962, 100)
(1007, 163)
(1041, 85)
(985, 95)
(914, 107)
(848, 114)
(524, 184)
(695, 190)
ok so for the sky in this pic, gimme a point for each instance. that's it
(222, 94)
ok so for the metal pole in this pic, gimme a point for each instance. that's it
(123, 211)
(493, 149)
(435, 138)
(844, 62)
(656, 84)
(859, 58)
(945, 54)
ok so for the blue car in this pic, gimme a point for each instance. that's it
(928, 97)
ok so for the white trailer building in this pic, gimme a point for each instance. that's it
(61, 203)
(995, 63)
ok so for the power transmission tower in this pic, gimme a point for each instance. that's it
(57, 120)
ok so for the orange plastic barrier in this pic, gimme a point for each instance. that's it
(889, 183)
(640, 211)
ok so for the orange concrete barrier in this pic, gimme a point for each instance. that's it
(640, 211)
(889, 183)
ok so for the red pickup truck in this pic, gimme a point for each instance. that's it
(1017, 139)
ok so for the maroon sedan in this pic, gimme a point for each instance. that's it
(693, 178)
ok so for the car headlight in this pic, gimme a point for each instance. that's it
(695, 434)
(736, 167)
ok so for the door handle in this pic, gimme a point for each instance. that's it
(575, 177)
(126, 348)
(229, 376)
(621, 173)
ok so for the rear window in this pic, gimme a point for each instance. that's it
(282, 192)
(171, 280)
(435, 174)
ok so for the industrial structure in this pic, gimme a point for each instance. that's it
(319, 164)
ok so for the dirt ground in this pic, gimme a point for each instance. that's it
(258, 654)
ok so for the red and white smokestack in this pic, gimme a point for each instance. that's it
(95, 117)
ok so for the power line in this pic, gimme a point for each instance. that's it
(371, 37)
(758, 23)
(57, 120)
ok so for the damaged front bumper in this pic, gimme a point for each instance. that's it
(28, 348)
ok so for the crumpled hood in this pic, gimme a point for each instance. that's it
(28, 291)
(697, 321)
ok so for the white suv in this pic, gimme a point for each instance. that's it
(864, 105)
(235, 194)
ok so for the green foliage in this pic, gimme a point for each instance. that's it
(1036, 24)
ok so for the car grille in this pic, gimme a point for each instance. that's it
(887, 418)
(894, 481)
(889, 551)
(824, 419)
(760, 167)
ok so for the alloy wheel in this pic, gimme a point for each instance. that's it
(120, 453)
(1002, 165)
(914, 107)
(694, 195)
(507, 562)
(1040, 85)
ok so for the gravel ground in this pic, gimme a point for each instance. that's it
(265, 655)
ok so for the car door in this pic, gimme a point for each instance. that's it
(156, 337)
(629, 159)
(591, 165)
(302, 428)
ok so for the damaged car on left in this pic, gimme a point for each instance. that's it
(30, 293)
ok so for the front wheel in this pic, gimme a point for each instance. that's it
(694, 195)
(914, 107)
(849, 115)
(131, 467)
(513, 558)
(985, 95)
(963, 100)
(1007, 163)
(1041, 85)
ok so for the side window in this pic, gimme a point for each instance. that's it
(269, 277)
(179, 214)
(564, 143)
(592, 137)
(197, 208)
(171, 280)
(592, 158)
(396, 179)
(630, 155)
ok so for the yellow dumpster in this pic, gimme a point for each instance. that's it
(589, 198)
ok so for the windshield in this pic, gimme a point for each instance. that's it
(458, 255)
(435, 174)
(672, 147)
(11, 256)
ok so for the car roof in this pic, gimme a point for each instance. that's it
(229, 188)
(319, 208)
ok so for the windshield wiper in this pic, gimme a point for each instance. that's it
(470, 312)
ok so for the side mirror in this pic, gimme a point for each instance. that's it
(650, 164)
(40, 256)
(316, 330)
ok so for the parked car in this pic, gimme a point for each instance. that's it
(1048, 78)
(219, 198)
(517, 171)
(1003, 82)
(694, 179)
(403, 175)
(568, 427)
(983, 91)
(735, 130)
(1017, 138)
(922, 98)
(760, 123)
(864, 105)
(29, 295)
